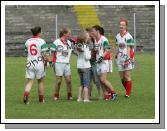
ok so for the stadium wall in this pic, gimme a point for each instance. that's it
(19, 20)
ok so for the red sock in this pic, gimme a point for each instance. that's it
(26, 93)
(113, 92)
(107, 97)
(56, 95)
(41, 98)
(109, 92)
(128, 85)
(69, 95)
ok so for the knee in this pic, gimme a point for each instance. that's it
(102, 80)
(58, 82)
(127, 78)
(68, 82)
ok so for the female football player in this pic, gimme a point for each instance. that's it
(62, 47)
(37, 51)
(125, 56)
(102, 58)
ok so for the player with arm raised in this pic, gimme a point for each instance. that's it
(37, 52)
(125, 56)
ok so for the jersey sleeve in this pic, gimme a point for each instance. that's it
(53, 47)
(44, 47)
(130, 40)
(116, 39)
(105, 43)
(25, 49)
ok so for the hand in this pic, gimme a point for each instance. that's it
(100, 59)
(49, 64)
(126, 63)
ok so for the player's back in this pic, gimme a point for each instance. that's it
(34, 47)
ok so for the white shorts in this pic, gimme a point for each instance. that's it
(103, 67)
(35, 70)
(62, 69)
(124, 68)
(110, 65)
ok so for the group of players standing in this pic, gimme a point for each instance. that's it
(94, 62)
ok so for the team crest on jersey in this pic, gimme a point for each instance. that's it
(59, 48)
(97, 46)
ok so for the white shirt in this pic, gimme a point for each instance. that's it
(63, 55)
(125, 40)
(34, 48)
(83, 60)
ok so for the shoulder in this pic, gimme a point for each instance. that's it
(69, 42)
(41, 41)
(128, 36)
(118, 35)
(103, 38)
(104, 41)
(27, 41)
(129, 39)
(57, 41)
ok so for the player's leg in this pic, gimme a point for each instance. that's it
(67, 76)
(121, 74)
(40, 73)
(27, 91)
(91, 82)
(30, 75)
(99, 72)
(107, 84)
(97, 82)
(41, 90)
(59, 69)
(90, 88)
(128, 82)
(57, 87)
(69, 87)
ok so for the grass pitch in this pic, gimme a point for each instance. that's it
(141, 104)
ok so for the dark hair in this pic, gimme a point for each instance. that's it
(102, 31)
(88, 29)
(99, 28)
(36, 30)
(63, 31)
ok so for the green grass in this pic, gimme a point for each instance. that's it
(139, 106)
